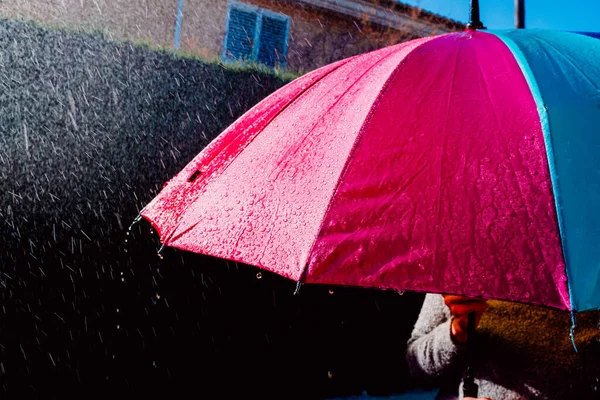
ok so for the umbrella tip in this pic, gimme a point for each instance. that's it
(572, 331)
(474, 21)
(159, 252)
(128, 232)
(135, 221)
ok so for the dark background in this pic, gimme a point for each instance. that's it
(89, 132)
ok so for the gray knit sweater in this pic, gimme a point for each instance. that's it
(523, 352)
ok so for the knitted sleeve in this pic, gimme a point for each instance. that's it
(431, 351)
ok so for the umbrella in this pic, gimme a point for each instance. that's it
(464, 163)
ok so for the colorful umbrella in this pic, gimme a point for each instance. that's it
(466, 163)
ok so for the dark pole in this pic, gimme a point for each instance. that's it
(475, 22)
(520, 14)
(470, 388)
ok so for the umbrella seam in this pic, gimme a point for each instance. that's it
(441, 272)
(519, 185)
(360, 135)
(545, 124)
(568, 59)
(385, 57)
(172, 235)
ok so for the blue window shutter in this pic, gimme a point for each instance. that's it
(272, 46)
(240, 36)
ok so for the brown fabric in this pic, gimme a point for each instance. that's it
(524, 352)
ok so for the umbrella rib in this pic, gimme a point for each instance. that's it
(439, 199)
(360, 135)
(300, 93)
(315, 124)
(544, 121)
(566, 58)
(519, 185)
(552, 166)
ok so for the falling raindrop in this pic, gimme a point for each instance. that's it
(329, 375)
(159, 252)
(259, 275)
(331, 291)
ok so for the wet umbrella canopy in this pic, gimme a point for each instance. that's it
(465, 163)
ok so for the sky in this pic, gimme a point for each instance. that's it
(570, 15)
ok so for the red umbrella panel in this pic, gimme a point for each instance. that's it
(432, 165)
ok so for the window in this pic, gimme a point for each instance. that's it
(255, 34)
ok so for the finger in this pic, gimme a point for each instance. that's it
(462, 299)
(452, 299)
(466, 309)
(469, 307)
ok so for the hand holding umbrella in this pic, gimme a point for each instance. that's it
(466, 313)
(460, 308)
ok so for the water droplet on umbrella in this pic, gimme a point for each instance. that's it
(400, 292)
(486, 160)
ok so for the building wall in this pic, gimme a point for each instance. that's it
(149, 21)
(315, 38)
(203, 27)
